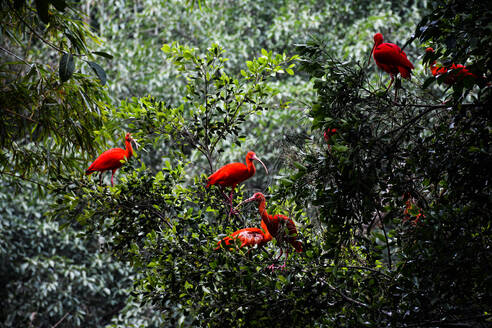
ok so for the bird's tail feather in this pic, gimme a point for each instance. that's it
(297, 245)
(405, 71)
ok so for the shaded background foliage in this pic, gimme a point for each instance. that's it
(392, 213)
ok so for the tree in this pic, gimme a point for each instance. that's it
(50, 106)
(389, 208)
(417, 158)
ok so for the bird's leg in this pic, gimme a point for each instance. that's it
(272, 266)
(232, 211)
(282, 267)
(112, 174)
(101, 178)
(397, 85)
(392, 80)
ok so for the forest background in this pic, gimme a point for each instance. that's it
(393, 210)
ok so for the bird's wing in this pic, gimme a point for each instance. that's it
(391, 54)
(109, 160)
(251, 236)
(228, 175)
(291, 232)
(289, 224)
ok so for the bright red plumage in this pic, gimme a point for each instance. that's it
(456, 72)
(248, 236)
(232, 174)
(280, 227)
(112, 159)
(109, 160)
(283, 229)
(390, 58)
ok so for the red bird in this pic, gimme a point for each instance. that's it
(248, 237)
(279, 226)
(453, 76)
(232, 174)
(391, 59)
(328, 134)
(112, 159)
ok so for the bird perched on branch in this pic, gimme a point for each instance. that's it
(278, 226)
(232, 174)
(112, 159)
(391, 59)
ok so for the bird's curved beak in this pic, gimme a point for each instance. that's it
(136, 143)
(244, 202)
(256, 158)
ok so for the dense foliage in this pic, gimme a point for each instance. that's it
(391, 207)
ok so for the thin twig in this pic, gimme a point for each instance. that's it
(23, 178)
(387, 242)
(60, 321)
(14, 55)
(368, 269)
(24, 117)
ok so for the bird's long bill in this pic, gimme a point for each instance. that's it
(245, 201)
(136, 143)
(256, 158)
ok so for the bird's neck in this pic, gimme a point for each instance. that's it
(265, 217)
(251, 167)
(129, 149)
(268, 236)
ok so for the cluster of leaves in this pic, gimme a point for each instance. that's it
(386, 150)
(50, 109)
(51, 276)
(364, 263)
(52, 102)
(165, 223)
(461, 32)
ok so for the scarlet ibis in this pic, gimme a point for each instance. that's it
(112, 159)
(328, 134)
(391, 59)
(453, 76)
(232, 174)
(279, 226)
(248, 237)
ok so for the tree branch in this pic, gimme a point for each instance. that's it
(60, 321)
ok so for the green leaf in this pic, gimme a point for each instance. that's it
(340, 148)
(67, 67)
(103, 54)
(101, 74)
(166, 48)
(428, 82)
